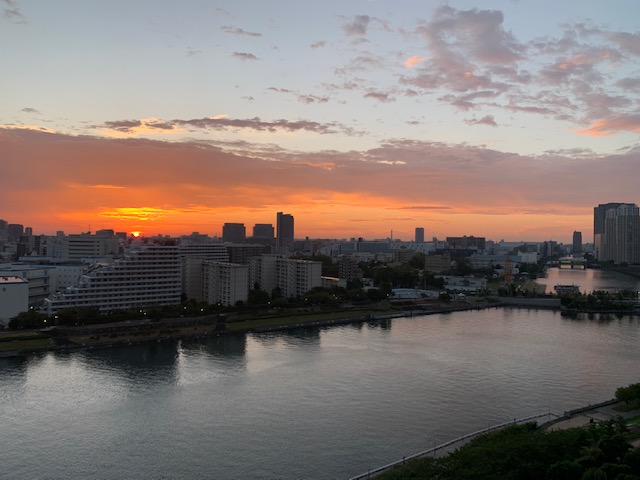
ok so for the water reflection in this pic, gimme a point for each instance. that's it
(588, 280)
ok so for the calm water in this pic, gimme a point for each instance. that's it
(589, 280)
(313, 403)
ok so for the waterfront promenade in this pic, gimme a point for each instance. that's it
(577, 418)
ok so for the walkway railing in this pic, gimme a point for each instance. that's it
(460, 440)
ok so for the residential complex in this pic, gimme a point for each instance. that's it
(616, 232)
(148, 275)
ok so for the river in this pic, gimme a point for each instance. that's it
(589, 280)
(320, 403)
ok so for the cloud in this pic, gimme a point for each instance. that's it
(29, 110)
(302, 98)
(13, 13)
(611, 126)
(245, 56)
(239, 32)
(630, 42)
(411, 61)
(319, 44)
(486, 120)
(380, 96)
(125, 181)
(192, 52)
(473, 62)
(357, 26)
(136, 127)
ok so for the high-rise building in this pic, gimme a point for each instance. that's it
(599, 223)
(284, 231)
(234, 233)
(263, 231)
(621, 239)
(419, 235)
(293, 277)
(14, 232)
(148, 275)
(599, 215)
(225, 283)
(577, 242)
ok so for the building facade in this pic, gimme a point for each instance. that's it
(225, 283)
(14, 297)
(293, 277)
(234, 233)
(284, 231)
(620, 241)
(148, 275)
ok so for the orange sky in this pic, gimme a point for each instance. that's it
(60, 182)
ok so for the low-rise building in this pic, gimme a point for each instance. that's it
(14, 297)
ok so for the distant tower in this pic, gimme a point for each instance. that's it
(419, 235)
(234, 233)
(284, 231)
(577, 242)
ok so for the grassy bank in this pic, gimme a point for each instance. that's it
(15, 341)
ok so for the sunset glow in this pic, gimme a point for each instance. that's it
(464, 120)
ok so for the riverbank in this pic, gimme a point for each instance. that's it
(577, 418)
(23, 343)
(130, 332)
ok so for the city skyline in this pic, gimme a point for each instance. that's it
(504, 120)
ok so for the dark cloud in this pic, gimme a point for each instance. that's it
(128, 126)
(629, 42)
(192, 52)
(123, 125)
(245, 56)
(357, 26)
(486, 120)
(380, 96)
(320, 44)
(13, 13)
(257, 124)
(29, 110)
(239, 32)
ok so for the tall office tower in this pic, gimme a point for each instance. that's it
(284, 232)
(599, 216)
(263, 231)
(600, 213)
(234, 233)
(577, 242)
(419, 235)
(3, 233)
(14, 232)
(621, 238)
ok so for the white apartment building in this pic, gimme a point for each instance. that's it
(192, 257)
(14, 297)
(293, 277)
(225, 283)
(41, 278)
(148, 275)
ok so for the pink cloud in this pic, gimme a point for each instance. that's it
(411, 61)
(611, 126)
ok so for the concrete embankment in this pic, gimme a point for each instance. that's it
(526, 302)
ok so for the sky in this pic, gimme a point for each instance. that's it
(361, 118)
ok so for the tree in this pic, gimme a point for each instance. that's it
(629, 393)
